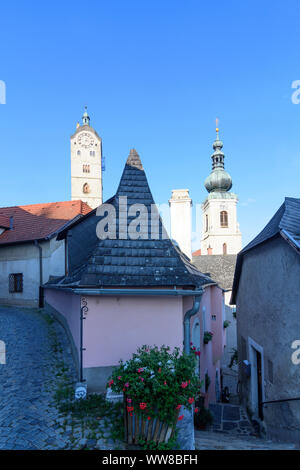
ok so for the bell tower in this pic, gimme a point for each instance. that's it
(86, 164)
(220, 233)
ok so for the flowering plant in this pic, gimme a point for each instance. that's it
(157, 382)
(207, 337)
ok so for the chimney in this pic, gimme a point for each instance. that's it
(181, 220)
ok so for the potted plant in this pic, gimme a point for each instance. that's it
(156, 384)
(226, 323)
(207, 337)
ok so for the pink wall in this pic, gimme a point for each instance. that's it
(116, 326)
(68, 305)
(212, 301)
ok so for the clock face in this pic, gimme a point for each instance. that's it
(85, 140)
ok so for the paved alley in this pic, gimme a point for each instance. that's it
(27, 419)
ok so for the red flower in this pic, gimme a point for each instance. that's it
(178, 407)
(165, 383)
(149, 417)
(140, 370)
(130, 409)
(184, 384)
(197, 353)
(159, 370)
(110, 383)
(143, 406)
(119, 377)
(180, 418)
(191, 400)
(196, 410)
(142, 379)
(127, 384)
(129, 400)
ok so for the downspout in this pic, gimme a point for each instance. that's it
(187, 321)
(83, 309)
(41, 292)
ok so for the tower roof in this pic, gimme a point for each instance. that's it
(148, 261)
(219, 180)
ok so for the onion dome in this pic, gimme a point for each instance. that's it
(219, 180)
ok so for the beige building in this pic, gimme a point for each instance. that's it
(29, 252)
(86, 164)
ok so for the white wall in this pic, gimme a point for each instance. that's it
(24, 258)
(216, 235)
(181, 219)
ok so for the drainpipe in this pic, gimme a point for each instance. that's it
(83, 309)
(187, 322)
(41, 291)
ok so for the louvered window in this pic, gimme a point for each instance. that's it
(224, 219)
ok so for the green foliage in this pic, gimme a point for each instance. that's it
(152, 445)
(155, 381)
(226, 323)
(203, 418)
(234, 358)
(207, 337)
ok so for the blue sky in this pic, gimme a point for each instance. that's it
(155, 75)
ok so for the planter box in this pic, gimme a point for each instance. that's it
(137, 427)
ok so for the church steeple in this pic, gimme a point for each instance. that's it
(219, 180)
(220, 234)
(85, 117)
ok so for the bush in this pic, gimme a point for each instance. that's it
(157, 382)
(203, 418)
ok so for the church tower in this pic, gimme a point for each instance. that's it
(86, 164)
(220, 233)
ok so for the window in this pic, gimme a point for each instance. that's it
(78, 152)
(86, 188)
(86, 168)
(92, 153)
(15, 282)
(206, 222)
(224, 249)
(224, 219)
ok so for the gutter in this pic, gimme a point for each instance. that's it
(41, 290)
(187, 321)
(142, 292)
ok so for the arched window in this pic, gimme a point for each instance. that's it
(224, 219)
(224, 249)
(78, 152)
(86, 188)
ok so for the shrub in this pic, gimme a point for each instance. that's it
(157, 382)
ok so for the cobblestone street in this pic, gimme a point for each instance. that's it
(205, 440)
(29, 419)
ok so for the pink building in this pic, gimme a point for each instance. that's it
(120, 292)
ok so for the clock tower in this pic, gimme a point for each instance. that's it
(86, 164)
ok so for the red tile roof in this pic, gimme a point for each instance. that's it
(38, 221)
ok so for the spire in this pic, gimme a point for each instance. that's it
(85, 117)
(219, 180)
(134, 159)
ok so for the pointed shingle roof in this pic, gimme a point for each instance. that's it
(150, 260)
